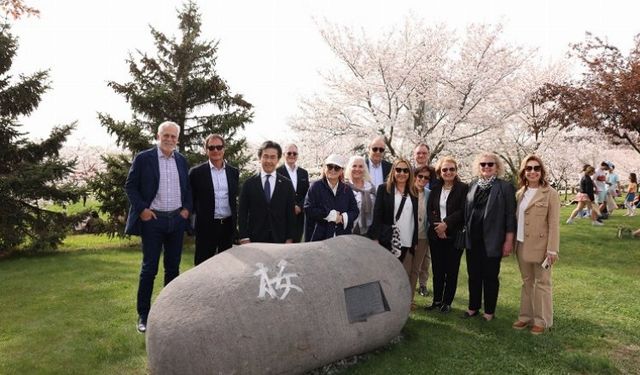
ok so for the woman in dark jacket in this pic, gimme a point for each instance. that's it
(330, 206)
(586, 197)
(389, 198)
(445, 213)
(490, 219)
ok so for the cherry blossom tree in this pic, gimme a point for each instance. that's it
(414, 83)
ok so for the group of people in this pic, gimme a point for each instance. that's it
(599, 188)
(425, 214)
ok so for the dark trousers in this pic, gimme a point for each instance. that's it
(445, 264)
(218, 239)
(163, 232)
(297, 237)
(483, 277)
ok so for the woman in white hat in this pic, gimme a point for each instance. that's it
(330, 206)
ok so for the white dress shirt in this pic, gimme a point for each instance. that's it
(272, 180)
(293, 175)
(222, 209)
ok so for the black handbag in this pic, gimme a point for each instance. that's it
(459, 242)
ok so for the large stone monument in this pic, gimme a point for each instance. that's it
(278, 309)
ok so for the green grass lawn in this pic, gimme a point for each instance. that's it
(73, 312)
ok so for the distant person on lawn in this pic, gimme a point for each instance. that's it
(160, 196)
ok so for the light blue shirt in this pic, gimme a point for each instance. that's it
(168, 197)
(222, 210)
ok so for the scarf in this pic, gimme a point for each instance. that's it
(484, 184)
(366, 206)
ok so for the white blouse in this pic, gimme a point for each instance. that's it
(524, 203)
(405, 222)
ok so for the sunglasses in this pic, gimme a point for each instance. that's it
(216, 147)
(403, 170)
(291, 153)
(377, 149)
(422, 177)
(530, 168)
(452, 169)
(333, 167)
(489, 164)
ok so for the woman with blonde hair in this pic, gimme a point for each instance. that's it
(537, 244)
(445, 213)
(357, 178)
(586, 197)
(396, 204)
(490, 228)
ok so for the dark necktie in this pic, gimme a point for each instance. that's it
(267, 189)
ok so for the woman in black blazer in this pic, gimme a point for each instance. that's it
(445, 212)
(388, 198)
(490, 218)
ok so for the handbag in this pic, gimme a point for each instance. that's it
(396, 245)
(459, 242)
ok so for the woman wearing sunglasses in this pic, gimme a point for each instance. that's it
(445, 213)
(412, 262)
(330, 206)
(537, 245)
(490, 228)
(396, 204)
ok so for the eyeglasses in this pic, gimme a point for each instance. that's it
(422, 177)
(291, 153)
(377, 149)
(489, 164)
(530, 168)
(333, 167)
(215, 147)
(452, 169)
(403, 170)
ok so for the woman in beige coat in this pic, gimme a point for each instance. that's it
(537, 244)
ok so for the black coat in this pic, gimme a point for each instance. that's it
(302, 184)
(260, 221)
(455, 208)
(320, 201)
(384, 213)
(499, 216)
(204, 199)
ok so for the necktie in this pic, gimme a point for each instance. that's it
(267, 189)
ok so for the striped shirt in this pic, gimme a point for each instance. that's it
(221, 209)
(168, 197)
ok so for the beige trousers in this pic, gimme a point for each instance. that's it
(426, 265)
(536, 298)
(412, 264)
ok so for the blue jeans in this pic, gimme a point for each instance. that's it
(166, 232)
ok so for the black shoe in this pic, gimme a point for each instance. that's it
(434, 306)
(466, 314)
(423, 291)
(445, 309)
(142, 325)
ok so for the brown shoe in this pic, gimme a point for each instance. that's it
(537, 330)
(413, 306)
(519, 325)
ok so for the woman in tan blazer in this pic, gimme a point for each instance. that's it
(537, 244)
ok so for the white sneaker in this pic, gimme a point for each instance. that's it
(597, 223)
(570, 221)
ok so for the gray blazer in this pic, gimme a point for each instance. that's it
(499, 216)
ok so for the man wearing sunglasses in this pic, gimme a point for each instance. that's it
(378, 167)
(267, 200)
(214, 185)
(300, 180)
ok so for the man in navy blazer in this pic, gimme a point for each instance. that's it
(300, 181)
(266, 206)
(160, 197)
(378, 167)
(214, 185)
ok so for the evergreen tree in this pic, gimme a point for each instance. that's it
(179, 84)
(32, 174)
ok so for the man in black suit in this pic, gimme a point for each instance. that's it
(300, 181)
(378, 167)
(214, 185)
(266, 207)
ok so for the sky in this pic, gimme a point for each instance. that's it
(270, 51)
